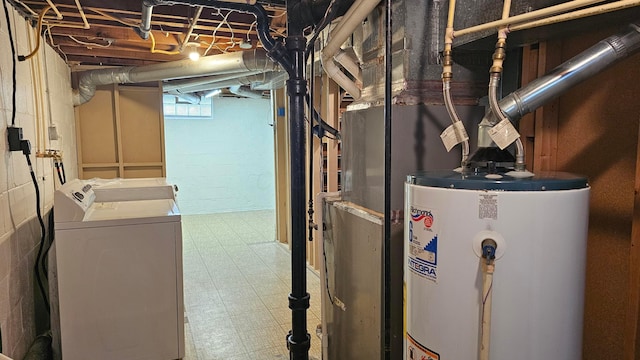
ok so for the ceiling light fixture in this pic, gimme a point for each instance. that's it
(245, 44)
(191, 48)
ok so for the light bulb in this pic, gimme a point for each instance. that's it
(194, 55)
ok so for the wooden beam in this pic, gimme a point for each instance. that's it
(546, 117)
(96, 60)
(107, 53)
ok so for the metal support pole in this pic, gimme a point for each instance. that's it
(387, 179)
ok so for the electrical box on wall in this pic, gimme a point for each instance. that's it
(15, 137)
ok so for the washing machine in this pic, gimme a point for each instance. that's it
(117, 266)
(109, 190)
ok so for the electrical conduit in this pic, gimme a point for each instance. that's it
(354, 16)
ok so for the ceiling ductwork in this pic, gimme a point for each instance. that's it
(237, 62)
(185, 83)
(244, 92)
(270, 80)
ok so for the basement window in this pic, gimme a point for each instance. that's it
(176, 108)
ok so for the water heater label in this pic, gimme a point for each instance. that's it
(488, 206)
(423, 244)
(415, 351)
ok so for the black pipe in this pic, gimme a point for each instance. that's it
(312, 82)
(387, 180)
(298, 339)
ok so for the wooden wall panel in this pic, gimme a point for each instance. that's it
(597, 135)
(104, 173)
(142, 172)
(97, 132)
(121, 133)
(140, 121)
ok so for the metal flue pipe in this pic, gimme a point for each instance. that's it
(202, 80)
(251, 80)
(241, 61)
(248, 93)
(577, 69)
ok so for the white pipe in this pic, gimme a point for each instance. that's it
(349, 63)
(487, 291)
(354, 16)
(30, 10)
(82, 15)
(55, 9)
(536, 14)
(594, 10)
(192, 25)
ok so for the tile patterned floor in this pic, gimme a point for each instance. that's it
(236, 282)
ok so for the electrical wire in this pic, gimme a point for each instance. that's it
(326, 20)
(44, 263)
(90, 45)
(13, 64)
(48, 31)
(326, 272)
(35, 50)
(222, 22)
(43, 231)
(153, 47)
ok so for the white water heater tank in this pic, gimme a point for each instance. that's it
(540, 227)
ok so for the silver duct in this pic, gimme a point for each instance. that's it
(236, 62)
(253, 80)
(572, 72)
(238, 90)
(190, 98)
(202, 80)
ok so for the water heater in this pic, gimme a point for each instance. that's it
(532, 305)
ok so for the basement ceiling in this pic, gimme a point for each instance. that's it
(101, 32)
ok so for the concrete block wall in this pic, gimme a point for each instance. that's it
(43, 94)
(226, 163)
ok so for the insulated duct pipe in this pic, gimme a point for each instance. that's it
(252, 80)
(239, 90)
(354, 16)
(241, 61)
(202, 80)
(577, 69)
(190, 98)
